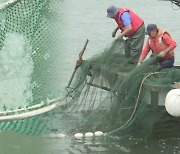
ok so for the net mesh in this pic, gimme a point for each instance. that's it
(108, 93)
(29, 45)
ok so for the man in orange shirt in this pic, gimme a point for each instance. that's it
(161, 43)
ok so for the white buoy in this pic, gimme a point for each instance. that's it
(98, 133)
(55, 135)
(89, 134)
(52, 135)
(60, 135)
(78, 135)
(172, 102)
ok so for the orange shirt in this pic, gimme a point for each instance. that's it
(155, 46)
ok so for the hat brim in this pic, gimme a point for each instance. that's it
(109, 16)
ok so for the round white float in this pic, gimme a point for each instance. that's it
(98, 133)
(52, 135)
(60, 135)
(172, 102)
(56, 135)
(78, 135)
(89, 134)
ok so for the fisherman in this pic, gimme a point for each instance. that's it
(161, 43)
(132, 27)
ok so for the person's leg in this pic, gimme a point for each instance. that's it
(167, 63)
(136, 43)
(127, 48)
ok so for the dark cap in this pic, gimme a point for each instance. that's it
(150, 28)
(112, 11)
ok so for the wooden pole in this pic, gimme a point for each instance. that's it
(76, 67)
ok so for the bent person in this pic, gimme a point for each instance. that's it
(132, 27)
(161, 43)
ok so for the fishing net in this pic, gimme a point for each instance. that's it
(176, 2)
(29, 45)
(109, 92)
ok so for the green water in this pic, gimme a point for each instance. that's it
(14, 143)
(2, 1)
(87, 19)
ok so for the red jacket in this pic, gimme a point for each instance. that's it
(162, 41)
(136, 21)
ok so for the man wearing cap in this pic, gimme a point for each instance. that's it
(161, 43)
(132, 27)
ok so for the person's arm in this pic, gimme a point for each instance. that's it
(171, 45)
(170, 42)
(144, 52)
(115, 31)
(126, 31)
(126, 18)
(141, 58)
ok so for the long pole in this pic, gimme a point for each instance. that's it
(80, 57)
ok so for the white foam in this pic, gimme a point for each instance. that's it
(16, 67)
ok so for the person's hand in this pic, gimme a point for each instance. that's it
(138, 64)
(114, 33)
(119, 38)
(162, 54)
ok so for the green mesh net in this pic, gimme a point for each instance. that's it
(109, 93)
(113, 95)
(29, 31)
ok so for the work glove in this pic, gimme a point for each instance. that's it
(119, 38)
(162, 54)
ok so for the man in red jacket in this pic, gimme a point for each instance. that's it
(161, 43)
(132, 27)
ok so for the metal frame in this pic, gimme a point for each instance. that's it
(5, 4)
